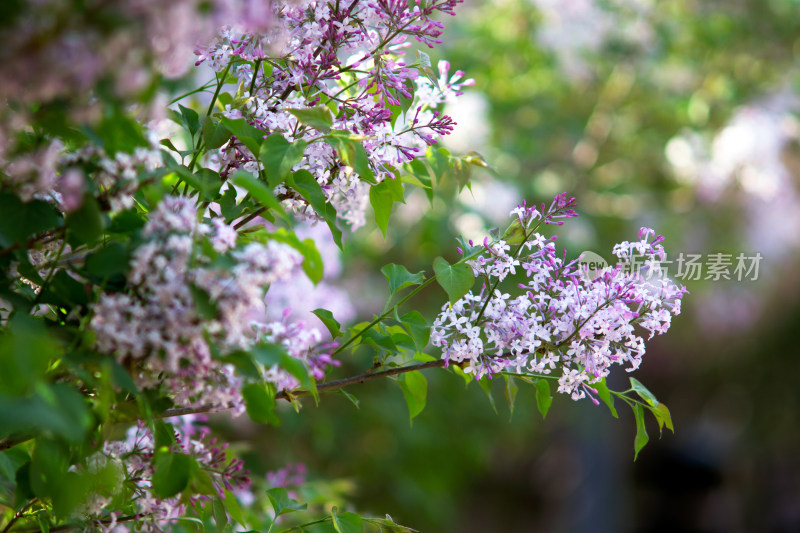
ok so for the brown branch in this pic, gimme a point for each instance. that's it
(322, 387)
(13, 440)
(10, 442)
(75, 527)
(19, 514)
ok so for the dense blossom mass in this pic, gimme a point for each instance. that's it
(185, 299)
(133, 460)
(565, 320)
(350, 55)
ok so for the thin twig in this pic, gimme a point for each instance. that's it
(322, 387)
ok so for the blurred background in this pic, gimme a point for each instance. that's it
(680, 115)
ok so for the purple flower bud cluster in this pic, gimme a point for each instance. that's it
(186, 297)
(348, 56)
(561, 319)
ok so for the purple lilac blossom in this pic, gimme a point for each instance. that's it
(562, 321)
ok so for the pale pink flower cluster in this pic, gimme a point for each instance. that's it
(561, 320)
(352, 54)
(182, 300)
(134, 458)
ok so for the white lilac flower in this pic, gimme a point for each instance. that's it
(561, 321)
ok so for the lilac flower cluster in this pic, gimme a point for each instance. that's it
(349, 56)
(61, 50)
(135, 457)
(161, 331)
(562, 320)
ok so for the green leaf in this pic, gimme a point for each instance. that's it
(108, 261)
(279, 156)
(415, 390)
(202, 303)
(456, 279)
(642, 391)
(26, 349)
(543, 397)
(605, 395)
(318, 117)
(234, 509)
(190, 119)
(85, 225)
(382, 197)
(172, 472)
(215, 134)
(303, 182)
(486, 386)
(282, 503)
(126, 221)
(21, 221)
(511, 390)
(663, 417)
(399, 277)
(228, 206)
(205, 181)
(350, 397)
(346, 522)
(259, 191)
(417, 327)
(48, 467)
(352, 153)
(423, 64)
(327, 318)
(119, 132)
(164, 434)
(248, 135)
(260, 404)
(57, 410)
(220, 515)
(641, 438)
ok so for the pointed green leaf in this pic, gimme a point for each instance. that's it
(663, 416)
(511, 390)
(220, 515)
(260, 404)
(642, 391)
(215, 134)
(456, 279)
(486, 385)
(172, 472)
(303, 182)
(346, 522)
(248, 135)
(279, 156)
(85, 225)
(382, 197)
(641, 438)
(190, 119)
(260, 191)
(282, 503)
(326, 317)
(350, 397)
(543, 397)
(605, 395)
(417, 327)
(415, 390)
(399, 277)
(352, 153)
(318, 117)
